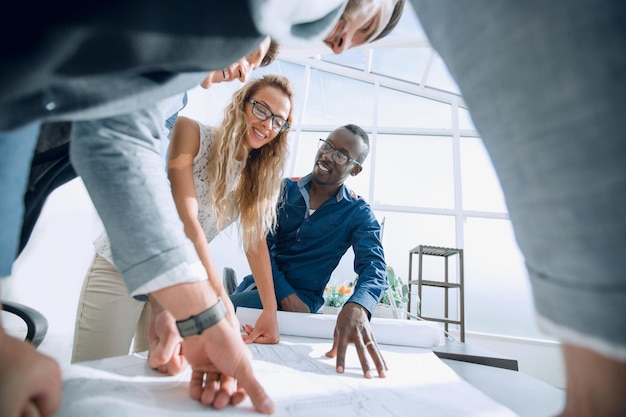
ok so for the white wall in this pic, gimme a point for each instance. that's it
(49, 273)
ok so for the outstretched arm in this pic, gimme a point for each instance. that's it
(353, 324)
(266, 327)
(218, 355)
(184, 146)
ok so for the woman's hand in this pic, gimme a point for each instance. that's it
(265, 330)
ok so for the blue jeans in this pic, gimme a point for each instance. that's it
(246, 295)
(16, 152)
(548, 99)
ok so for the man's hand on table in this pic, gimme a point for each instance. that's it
(353, 326)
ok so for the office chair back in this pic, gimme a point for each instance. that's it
(36, 323)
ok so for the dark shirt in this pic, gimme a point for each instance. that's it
(305, 249)
(78, 62)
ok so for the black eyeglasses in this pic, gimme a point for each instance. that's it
(338, 156)
(262, 112)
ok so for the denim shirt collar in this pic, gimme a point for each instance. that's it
(304, 184)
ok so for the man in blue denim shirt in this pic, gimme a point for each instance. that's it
(318, 220)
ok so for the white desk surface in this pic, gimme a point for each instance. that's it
(302, 382)
(520, 392)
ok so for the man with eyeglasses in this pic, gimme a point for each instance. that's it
(57, 73)
(319, 218)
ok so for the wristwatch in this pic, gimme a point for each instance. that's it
(195, 325)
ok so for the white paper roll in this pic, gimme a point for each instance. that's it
(387, 331)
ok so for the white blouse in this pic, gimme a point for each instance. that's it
(201, 181)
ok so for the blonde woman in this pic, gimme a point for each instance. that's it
(218, 175)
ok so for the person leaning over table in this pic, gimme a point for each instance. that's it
(545, 82)
(51, 166)
(218, 174)
(319, 219)
(57, 72)
(101, 327)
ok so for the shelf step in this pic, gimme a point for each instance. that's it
(440, 284)
(435, 250)
(440, 320)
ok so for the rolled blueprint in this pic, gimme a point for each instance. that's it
(398, 332)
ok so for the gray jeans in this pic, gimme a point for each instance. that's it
(120, 162)
(545, 84)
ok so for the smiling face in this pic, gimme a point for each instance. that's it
(361, 22)
(326, 171)
(260, 132)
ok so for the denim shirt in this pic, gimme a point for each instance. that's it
(305, 249)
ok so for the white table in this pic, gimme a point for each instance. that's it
(303, 382)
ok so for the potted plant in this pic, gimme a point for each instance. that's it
(399, 292)
(335, 296)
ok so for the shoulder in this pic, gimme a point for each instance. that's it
(185, 138)
(361, 207)
(353, 198)
(185, 125)
(353, 195)
(289, 183)
(288, 186)
(190, 130)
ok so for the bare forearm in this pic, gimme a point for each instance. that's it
(259, 261)
(185, 300)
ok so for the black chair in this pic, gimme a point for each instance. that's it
(50, 169)
(229, 279)
(36, 323)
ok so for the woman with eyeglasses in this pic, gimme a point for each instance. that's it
(218, 174)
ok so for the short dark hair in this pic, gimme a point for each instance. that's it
(271, 54)
(396, 14)
(357, 130)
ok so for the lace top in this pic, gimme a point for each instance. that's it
(201, 181)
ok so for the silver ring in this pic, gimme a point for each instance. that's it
(371, 342)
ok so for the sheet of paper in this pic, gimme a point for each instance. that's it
(387, 331)
(297, 376)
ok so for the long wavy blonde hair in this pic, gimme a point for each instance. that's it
(256, 194)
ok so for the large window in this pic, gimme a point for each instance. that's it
(428, 175)
(400, 109)
(336, 100)
(414, 171)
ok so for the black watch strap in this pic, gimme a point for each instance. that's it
(195, 325)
